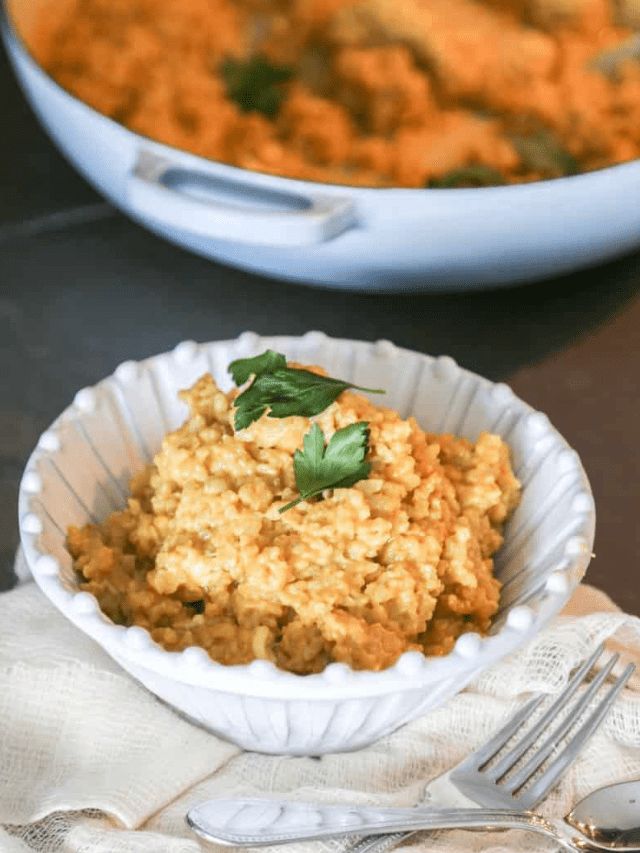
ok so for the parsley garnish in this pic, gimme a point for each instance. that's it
(542, 152)
(256, 85)
(339, 465)
(283, 390)
(242, 369)
(468, 176)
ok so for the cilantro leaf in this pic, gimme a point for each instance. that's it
(242, 368)
(339, 465)
(256, 85)
(285, 391)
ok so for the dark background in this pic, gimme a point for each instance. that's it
(83, 289)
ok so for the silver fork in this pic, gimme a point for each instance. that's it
(487, 785)
(483, 780)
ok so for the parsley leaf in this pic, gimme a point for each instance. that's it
(468, 176)
(285, 391)
(255, 85)
(542, 152)
(242, 368)
(339, 465)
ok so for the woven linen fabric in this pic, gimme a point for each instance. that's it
(90, 762)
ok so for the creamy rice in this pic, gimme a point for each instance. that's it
(401, 561)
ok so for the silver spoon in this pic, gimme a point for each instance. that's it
(610, 816)
(607, 819)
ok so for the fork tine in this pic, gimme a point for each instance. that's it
(555, 770)
(486, 752)
(515, 754)
(547, 747)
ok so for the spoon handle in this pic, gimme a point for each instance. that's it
(259, 823)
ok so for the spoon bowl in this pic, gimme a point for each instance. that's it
(610, 816)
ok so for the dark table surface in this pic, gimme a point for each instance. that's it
(83, 289)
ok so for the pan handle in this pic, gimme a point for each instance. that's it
(221, 209)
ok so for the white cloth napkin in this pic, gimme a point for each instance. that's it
(90, 762)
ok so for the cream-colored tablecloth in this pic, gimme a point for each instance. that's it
(90, 762)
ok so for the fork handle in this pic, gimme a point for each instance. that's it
(380, 843)
(259, 823)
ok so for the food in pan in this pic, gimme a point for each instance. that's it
(293, 520)
(440, 93)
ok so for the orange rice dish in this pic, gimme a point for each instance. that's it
(363, 92)
(400, 561)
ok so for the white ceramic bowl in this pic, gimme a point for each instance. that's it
(80, 471)
(338, 236)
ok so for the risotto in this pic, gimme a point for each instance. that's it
(402, 560)
(364, 92)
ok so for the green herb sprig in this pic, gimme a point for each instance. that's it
(543, 152)
(283, 390)
(468, 176)
(338, 465)
(256, 85)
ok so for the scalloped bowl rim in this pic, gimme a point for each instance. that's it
(413, 670)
